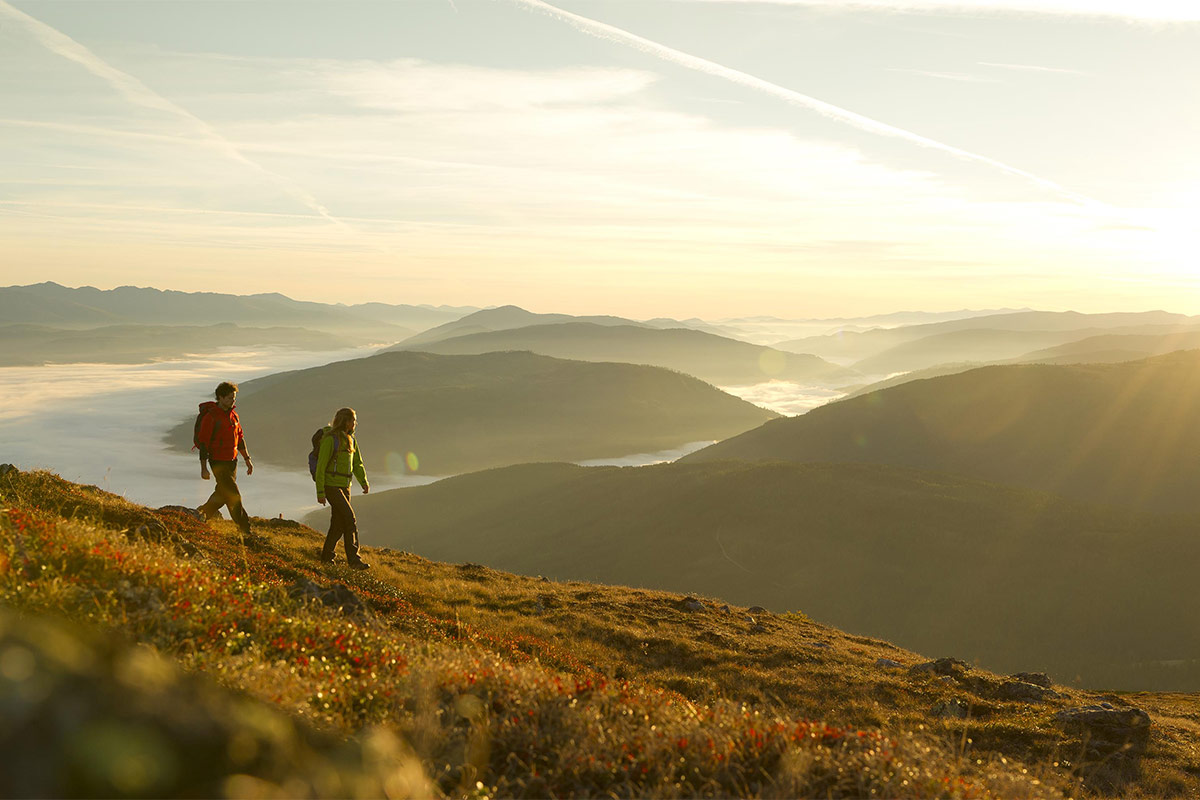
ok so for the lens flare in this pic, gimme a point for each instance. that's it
(411, 460)
(394, 463)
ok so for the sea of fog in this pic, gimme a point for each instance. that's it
(104, 424)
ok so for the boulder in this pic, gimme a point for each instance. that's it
(1024, 692)
(338, 596)
(1105, 721)
(949, 667)
(953, 708)
(1036, 678)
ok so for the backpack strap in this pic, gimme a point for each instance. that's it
(331, 464)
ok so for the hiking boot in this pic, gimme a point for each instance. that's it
(325, 558)
(359, 565)
(198, 512)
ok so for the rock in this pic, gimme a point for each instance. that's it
(1105, 722)
(950, 667)
(1024, 692)
(7, 468)
(338, 596)
(950, 709)
(153, 531)
(887, 663)
(757, 610)
(691, 604)
(191, 512)
(726, 610)
(1036, 678)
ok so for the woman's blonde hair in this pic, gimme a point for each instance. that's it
(341, 421)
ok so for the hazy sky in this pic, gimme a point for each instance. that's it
(639, 157)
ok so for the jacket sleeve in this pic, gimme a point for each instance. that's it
(358, 469)
(323, 457)
(205, 436)
(240, 444)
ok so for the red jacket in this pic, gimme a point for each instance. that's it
(220, 436)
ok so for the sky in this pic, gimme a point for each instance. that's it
(711, 158)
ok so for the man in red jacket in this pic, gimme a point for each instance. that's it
(220, 440)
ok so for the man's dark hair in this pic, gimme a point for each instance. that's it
(225, 388)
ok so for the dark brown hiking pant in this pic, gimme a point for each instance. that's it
(342, 524)
(226, 494)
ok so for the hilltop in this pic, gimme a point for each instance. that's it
(933, 562)
(712, 358)
(496, 684)
(502, 318)
(462, 413)
(1123, 434)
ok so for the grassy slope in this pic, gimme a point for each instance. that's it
(1124, 434)
(459, 413)
(716, 359)
(535, 688)
(937, 563)
(32, 345)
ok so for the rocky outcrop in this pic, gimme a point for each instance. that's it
(338, 596)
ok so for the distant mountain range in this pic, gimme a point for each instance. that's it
(459, 413)
(1123, 434)
(998, 336)
(1007, 576)
(33, 345)
(84, 307)
(712, 358)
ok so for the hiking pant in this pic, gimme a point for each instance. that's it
(226, 494)
(342, 524)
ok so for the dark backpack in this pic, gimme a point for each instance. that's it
(315, 453)
(206, 447)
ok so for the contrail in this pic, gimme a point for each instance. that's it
(613, 34)
(1138, 10)
(139, 93)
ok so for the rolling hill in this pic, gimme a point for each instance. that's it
(937, 563)
(712, 358)
(1123, 434)
(857, 346)
(981, 345)
(461, 413)
(502, 318)
(1109, 348)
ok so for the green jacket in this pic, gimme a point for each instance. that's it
(337, 470)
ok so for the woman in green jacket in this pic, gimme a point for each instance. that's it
(339, 460)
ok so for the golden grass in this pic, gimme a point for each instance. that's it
(516, 686)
